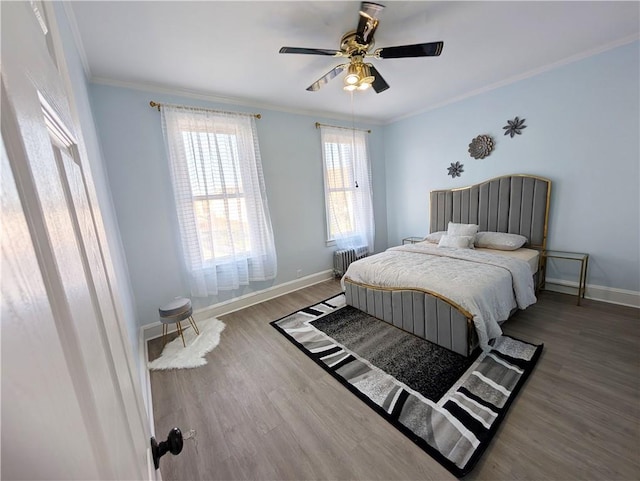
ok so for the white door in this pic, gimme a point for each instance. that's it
(71, 402)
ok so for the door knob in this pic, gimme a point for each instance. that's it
(173, 444)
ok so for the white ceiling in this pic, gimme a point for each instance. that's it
(228, 51)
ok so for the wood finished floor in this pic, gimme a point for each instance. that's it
(263, 410)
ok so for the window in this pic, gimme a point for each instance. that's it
(340, 189)
(218, 196)
(347, 182)
(224, 220)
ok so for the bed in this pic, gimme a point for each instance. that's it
(440, 294)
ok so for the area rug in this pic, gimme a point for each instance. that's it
(176, 356)
(449, 405)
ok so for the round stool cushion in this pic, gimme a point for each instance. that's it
(176, 310)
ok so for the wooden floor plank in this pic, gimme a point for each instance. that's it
(264, 410)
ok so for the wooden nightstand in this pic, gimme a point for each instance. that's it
(412, 240)
(571, 256)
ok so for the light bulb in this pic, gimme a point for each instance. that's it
(351, 79)
(363, 86)
(350, 88)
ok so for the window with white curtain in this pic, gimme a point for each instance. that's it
(347, 186)
(224, 220)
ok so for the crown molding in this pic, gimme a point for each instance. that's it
(253, 104)
(206, 96)
(523, 76)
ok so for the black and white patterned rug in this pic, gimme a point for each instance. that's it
(449, 405)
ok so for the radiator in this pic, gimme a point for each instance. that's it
(344, 257)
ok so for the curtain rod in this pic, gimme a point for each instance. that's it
(158, 105)
(318, 124)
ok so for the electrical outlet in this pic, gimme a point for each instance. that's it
(299, 273)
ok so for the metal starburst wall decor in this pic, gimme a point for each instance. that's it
(481, 146)
(456, 169)
(514, 127)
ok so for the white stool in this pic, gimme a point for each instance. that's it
(176, 311)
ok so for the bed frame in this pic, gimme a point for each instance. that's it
(517, 204)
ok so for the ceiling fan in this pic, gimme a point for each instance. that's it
(357, 45)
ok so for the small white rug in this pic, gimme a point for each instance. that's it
(176, 356)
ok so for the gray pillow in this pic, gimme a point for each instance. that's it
(500, 240)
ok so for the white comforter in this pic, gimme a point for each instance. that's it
(487, 285)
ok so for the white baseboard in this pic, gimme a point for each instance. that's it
(154, 330)
(597, 293)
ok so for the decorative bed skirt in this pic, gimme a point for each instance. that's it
(422, 313)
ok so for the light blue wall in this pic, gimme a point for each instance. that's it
(582, 132)
(103, 193)
(136, 162)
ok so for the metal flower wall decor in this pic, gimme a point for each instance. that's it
(455, 170)
(514, 127)
(481, 146)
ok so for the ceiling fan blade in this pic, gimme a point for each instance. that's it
(432, 49)
(311, 51)
(379, 84)
(368, 21)
(325, 79)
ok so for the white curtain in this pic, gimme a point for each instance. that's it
(348, 191)
(224, 221)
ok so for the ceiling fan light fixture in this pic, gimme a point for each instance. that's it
(358, 77)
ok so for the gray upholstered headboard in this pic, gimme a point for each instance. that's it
(517, 203)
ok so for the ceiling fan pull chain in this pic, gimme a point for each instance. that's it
(353, 133)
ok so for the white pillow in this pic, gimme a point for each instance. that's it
(435, 237)
(458, 241)
(462, 229)
(500, 240)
